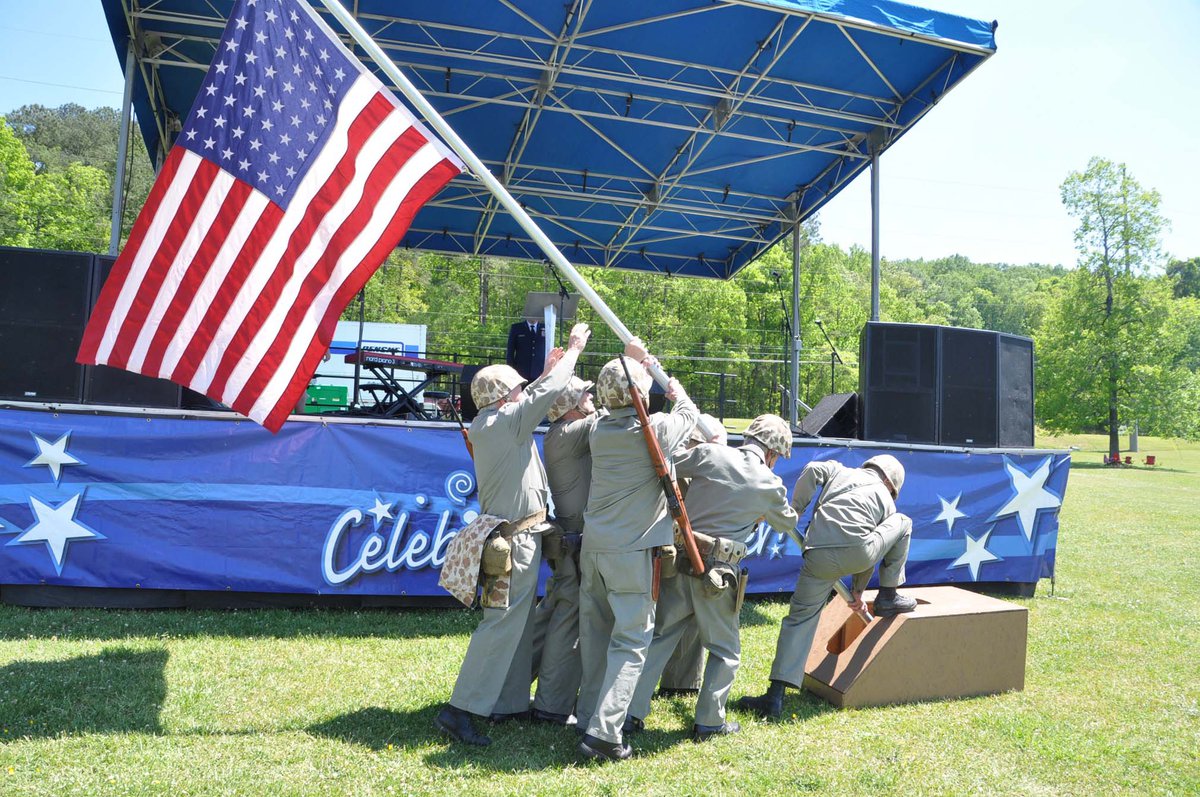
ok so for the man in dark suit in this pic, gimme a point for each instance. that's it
(527, 348)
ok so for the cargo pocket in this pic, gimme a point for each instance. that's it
(628, 572)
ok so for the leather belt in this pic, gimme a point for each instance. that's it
(509, 529)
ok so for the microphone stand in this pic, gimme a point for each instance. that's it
(786, 327)
(834, 357)
(563, 295)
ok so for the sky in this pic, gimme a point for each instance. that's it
(978, 176)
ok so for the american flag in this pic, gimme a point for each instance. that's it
(294, 175)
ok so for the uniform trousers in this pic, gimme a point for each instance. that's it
(823, 566)
(494, 677)
(683, 603)
(556, 641)
(616, 623)
(685, 669)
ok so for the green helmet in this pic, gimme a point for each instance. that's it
(568, 399)
(494, 383)
(889, 467)
(773, 432)
(612, 388)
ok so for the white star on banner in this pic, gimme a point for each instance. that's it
(976, 554)
(380, 511)
(1030, 496)
(776, 551)
(53, 455)
(950, 512)
(56, 526)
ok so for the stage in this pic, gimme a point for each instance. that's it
(171, 508)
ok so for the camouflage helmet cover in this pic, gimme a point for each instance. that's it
(773, 432)
(569, 398)
(612, 389)
(890, 467)
(494, 383)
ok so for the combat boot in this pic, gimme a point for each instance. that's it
(632, 725)
(596, 749)
(702, 733)
(889, 604)
(550, 718)
(457, 724)
(516, 716)
(768, 705)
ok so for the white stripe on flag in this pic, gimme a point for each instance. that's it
(351, 258)
(375, 147)
(164, 214)
(206, 214)
(322, 167)
(198, 305)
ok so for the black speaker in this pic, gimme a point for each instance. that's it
(469, 410)
(967, 391)
(44, 302)
(898, 382)
(835, 415)
(947, 386)
(1016, 391)
(105, 385)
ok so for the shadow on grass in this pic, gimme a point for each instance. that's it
(118, 690)
(376, 728)
(18, 623)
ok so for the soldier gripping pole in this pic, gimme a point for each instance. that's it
(484, 176)
(669, 487)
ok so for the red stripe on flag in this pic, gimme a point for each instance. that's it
(425, 188)
(167, 248)
(193, 277)
(93, 334)
(368, 120)
(382, 174)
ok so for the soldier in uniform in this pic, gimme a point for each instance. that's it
(494, 679)
(729, 491)
(569, 470)
(626, 521)
(855, 526)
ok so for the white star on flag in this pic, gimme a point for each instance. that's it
(976, 554)
(776, 551)
(949, 513)
(56, 526)
(53, 455)
(380, 511)
(1030, 496)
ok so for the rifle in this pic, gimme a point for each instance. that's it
(669, 487)
(461, 427)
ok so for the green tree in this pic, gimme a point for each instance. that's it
(1117, 238)
(16, 178)
(1186, 277)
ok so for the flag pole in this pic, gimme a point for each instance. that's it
(481, 172)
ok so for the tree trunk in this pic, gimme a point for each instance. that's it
(483, 291)
(1114, 442)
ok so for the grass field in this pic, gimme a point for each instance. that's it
(276, 702)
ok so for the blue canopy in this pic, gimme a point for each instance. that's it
(681, 136)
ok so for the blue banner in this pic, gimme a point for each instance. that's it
(164, 502)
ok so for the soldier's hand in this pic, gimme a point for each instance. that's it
(579, 336)
(858, 604)
(675, 390)
(552, 359)
(636, 350)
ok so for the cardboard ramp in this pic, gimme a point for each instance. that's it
(955, 644)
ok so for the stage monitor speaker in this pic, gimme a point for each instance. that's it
(467, 404)
(835, 415)
(947, 386)
(898, 382)
(44, 301)
(105, 385)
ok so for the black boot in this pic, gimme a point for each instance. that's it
(457, 724)
(632, 725)
(596, 749)
(889, 604)
(702, 733)
(516, 716)
(768, 705)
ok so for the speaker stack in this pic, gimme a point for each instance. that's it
(45, 300)
(946, 386)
